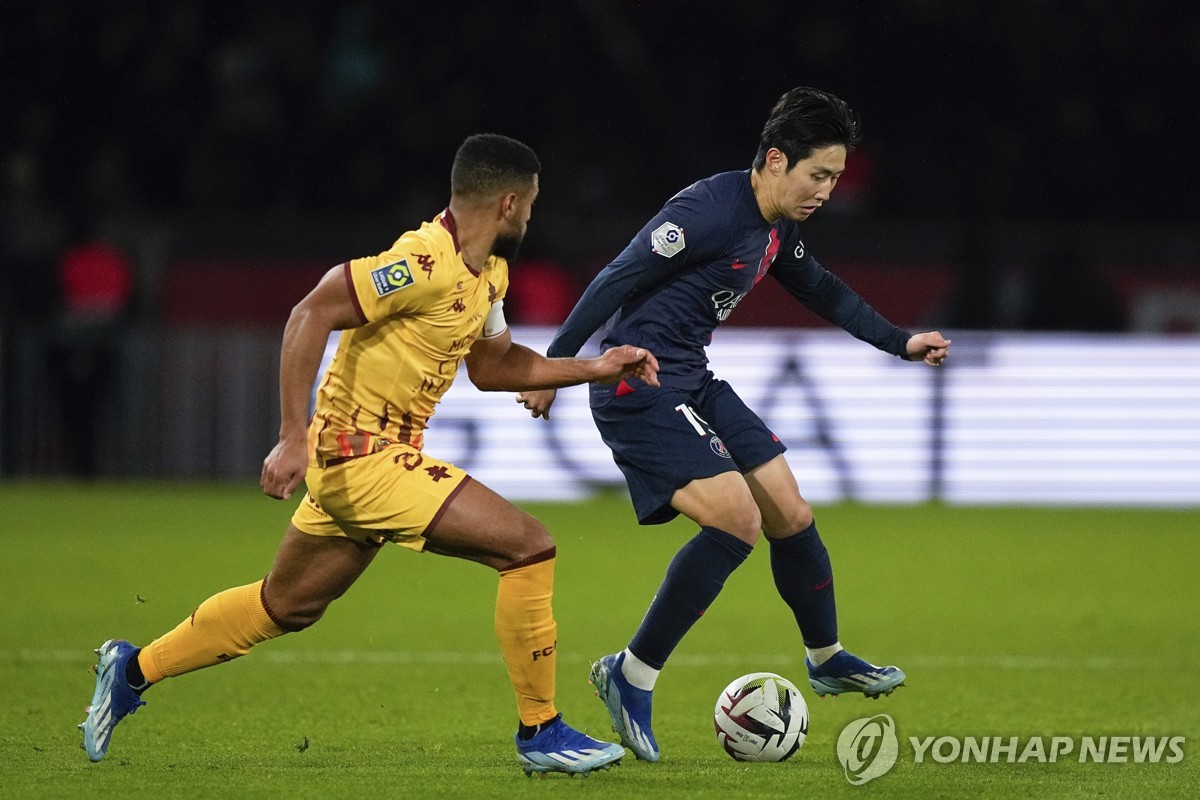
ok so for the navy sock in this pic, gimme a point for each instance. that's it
(804, 578)
(134, 676)
(693, 581)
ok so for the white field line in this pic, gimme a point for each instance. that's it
(682, 660)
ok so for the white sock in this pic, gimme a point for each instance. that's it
(819, 655)
(638, 672)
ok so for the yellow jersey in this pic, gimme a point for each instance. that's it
(422, 307)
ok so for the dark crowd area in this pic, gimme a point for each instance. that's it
(284, 130)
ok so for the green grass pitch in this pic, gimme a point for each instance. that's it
(1009, 622)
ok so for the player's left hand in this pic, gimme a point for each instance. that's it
(538, 402)
(627, 361)
(929, 347)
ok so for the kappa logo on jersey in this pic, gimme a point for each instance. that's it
(667, 239)
(392, 277)
(426, 263)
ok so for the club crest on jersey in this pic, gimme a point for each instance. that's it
(718, 447)
(667, 239)
(392, 277)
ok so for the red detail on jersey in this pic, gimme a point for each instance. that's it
(448, 222)
(492, 292)
(823, 584)
(768, 256)
(439, 472)
(624, 388)
(446, 505)
(358, 309)
(738, 264)
(774, 438)
(406, 429)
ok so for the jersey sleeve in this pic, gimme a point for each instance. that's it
(386, 285)
(685, 232)
(828, 296)
(497, 277)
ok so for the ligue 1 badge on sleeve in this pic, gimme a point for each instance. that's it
(391, 277)
(667, 239)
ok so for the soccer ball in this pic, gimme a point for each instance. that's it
(761, 717)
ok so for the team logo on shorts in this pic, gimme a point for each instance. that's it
(392, 277)
(718, 447)
(667, 239)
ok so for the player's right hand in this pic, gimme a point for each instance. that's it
(284, 468)
(538, 402)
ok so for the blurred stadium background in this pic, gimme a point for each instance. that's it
(176, 175)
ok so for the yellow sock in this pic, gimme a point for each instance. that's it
(224, 627)
(526, 629)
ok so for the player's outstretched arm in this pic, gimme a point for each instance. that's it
(328, 307)
(929, 347)
(498, 364)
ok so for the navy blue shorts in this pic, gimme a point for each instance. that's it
(663, 439)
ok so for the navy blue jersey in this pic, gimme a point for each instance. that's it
(689, 267)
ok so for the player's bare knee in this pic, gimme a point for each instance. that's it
(533, 540)
(297, 618)
(743, 522)
(290, 613)
(793, 518)
(538, 538)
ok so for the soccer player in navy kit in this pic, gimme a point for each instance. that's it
(692, 446)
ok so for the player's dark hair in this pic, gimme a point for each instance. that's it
(804, 120)
(488, 164)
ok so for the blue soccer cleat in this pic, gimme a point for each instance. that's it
(848, 673)
(112, 700)
(628, 706)
(558, 747)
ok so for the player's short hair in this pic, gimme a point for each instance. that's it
(804, 120)
(488, 164)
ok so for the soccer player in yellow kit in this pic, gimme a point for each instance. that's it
(408, 317)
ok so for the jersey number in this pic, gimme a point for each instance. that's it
(698, 422)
